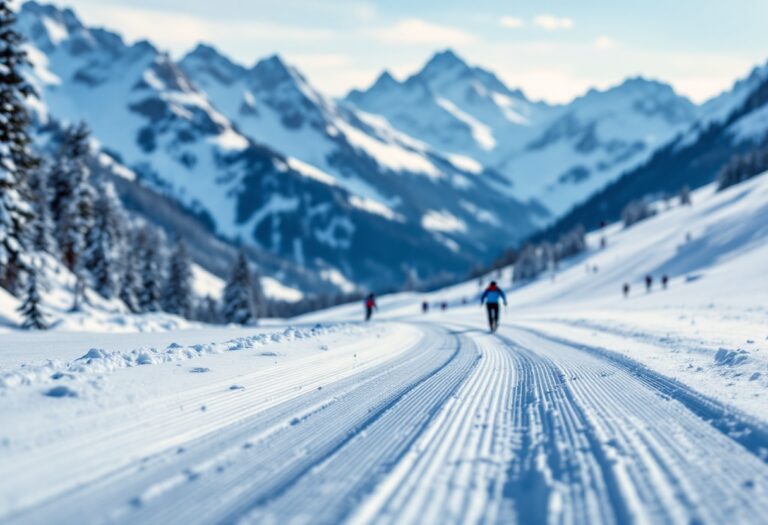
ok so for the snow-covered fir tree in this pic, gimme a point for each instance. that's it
(71, 157)
(178, 296)
(16, 158)
(207, 311)
(528, 264)
(73, 198)
(31, 305)
(685, 196)
(149, 247)
(130, 283)
(41, 227)
(104, 243)
(237, 302)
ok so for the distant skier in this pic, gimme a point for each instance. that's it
(626, 290)
(490, 298)
(664, 281)
(424, 307)
(443, 306)
(370, 304)
(648, 283)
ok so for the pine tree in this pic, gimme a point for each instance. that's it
(41, 228)
(207, 311)
(103, 245)
(31, 307)
(130, 284)
(71, 157)
(685, 196)
(73, 199)
(237, 302)
(150, 257)
(178, 294)
(16, 159)
(527, 266)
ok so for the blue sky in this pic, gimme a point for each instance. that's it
(553, 49)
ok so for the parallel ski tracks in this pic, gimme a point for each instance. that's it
(257, 466)
(465, 428)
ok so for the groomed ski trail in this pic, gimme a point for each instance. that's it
(460, 427)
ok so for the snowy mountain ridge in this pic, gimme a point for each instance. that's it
(732, 124)
(555, 155)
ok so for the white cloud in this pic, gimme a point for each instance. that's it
(138, 23)
(553, 23)
(604, 42)
(417, 31)
(318, 60)
(511, 22)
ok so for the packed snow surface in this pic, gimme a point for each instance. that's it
(585, 407)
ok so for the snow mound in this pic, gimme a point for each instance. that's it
(96, 361)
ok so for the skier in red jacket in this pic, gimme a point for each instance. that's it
(370, 304)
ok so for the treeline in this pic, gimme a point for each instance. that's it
(743, 167)
(532, 259)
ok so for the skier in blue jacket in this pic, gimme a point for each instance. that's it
(491, 297)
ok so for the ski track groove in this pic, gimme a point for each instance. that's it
(465, 427)
(455, 472)
(662, 461)
(229, 409)
(743, 429)
(247, 472)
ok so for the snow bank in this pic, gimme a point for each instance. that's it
(98, 361)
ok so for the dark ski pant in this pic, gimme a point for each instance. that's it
(368, 313)
(493, 314)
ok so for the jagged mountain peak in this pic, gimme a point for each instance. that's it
(272, 71)
(649, 97)
(443, 65)
(385, 82)
(205, 57)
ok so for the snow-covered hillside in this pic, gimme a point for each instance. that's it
(708, 328)
(555, 155)
(585, 407)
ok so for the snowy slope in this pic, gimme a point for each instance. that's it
(555, 155)
(167, 131)
(584, 408)
(715, 300)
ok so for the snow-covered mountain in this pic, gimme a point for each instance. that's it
(386, 171)
(596, 138)
(556, 155)
(388, 207)
(455, 107)
(733, 123)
